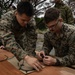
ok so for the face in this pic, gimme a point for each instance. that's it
(22, 19)
(54, 26)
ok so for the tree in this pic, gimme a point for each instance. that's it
(39, 7)
(6, 4)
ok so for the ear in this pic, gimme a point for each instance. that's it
(60, 19)
(16, 13)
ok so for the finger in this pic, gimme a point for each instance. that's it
(42, 66)
(39, 66)
(42, 55)
(47, 63)
(45, 59)
(35, 67)
(42, 52)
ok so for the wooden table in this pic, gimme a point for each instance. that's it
(55, 71)
(7, 68)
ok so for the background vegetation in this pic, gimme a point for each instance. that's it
(39, 7)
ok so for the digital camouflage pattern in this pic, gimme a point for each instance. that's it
(66, 12)
(19, 40)
(64, 44)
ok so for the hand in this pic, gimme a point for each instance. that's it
(40, 55)
(2, 47)
(48, 60)
(32, 61)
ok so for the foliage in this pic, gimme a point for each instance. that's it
(40, 23)
(40, 7)
(6, 4)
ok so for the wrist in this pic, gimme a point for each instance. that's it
(54, 61)
(26, 57)
(57, 62)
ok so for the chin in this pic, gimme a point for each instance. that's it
(52, 30)
(23, 25)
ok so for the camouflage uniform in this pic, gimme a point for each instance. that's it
(64, 44)
(66, 13)
(19, 40)
(0, 10)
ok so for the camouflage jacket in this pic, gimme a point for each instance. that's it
(64, 44)
(66, 13)
(19, 40)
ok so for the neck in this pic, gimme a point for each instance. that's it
(58, 32)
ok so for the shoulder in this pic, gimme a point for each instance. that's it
(32, 22)
(69, 26)
(6, 19)
(8, 15)
(69, 30)
(66, 7)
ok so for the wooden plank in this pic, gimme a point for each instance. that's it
(51, 70)
(4, 53)
(7, 69)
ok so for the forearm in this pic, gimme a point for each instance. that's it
(47, 46)
(31, 41)
(11, 45)
(16, 49)
(67, 60)
(31, 45)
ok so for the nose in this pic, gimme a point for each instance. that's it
(50, 28)
(25, 22)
